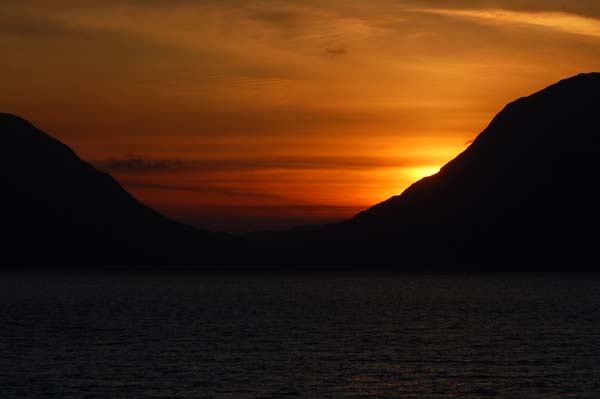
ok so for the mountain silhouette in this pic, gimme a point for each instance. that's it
(526, 190)
(522, 196)
(58, 209)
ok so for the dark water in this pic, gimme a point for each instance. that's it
(123, 335)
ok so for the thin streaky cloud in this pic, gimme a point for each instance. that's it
(207, 189)
(558, 21)
(140, 164)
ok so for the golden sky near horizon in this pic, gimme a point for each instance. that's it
(243, 115)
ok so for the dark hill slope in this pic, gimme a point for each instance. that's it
(58, 209)
(525, 191)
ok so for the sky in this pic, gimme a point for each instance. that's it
(249, 115)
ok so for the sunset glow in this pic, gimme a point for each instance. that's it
(226, 113)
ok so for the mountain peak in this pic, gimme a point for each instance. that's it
(11, 121)
(27, 141)
(7, 117)
(585, 77)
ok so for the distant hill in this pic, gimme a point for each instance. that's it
(57, 209)
(524, 194)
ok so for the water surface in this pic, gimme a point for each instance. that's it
(242, 335)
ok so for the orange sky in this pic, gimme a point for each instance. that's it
(240, 115)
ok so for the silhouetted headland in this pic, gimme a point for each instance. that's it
(522, 196)
(58, 209)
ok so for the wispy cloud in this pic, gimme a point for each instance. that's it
(335, 51)
(207, 189)
(139, 164)
(558, 21)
